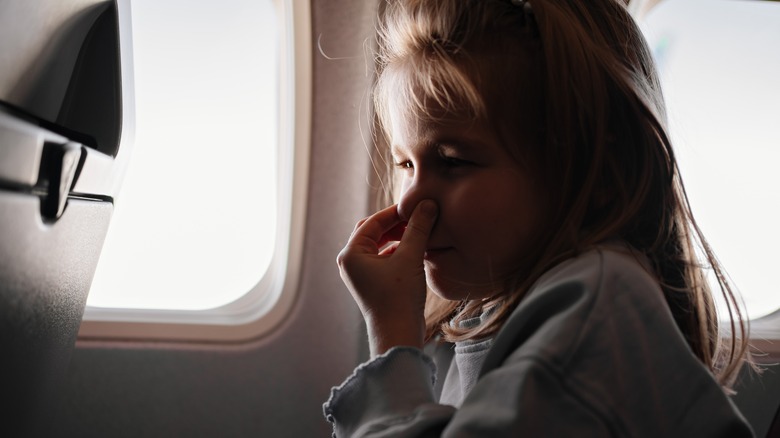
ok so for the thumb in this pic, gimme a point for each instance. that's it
(415, 238)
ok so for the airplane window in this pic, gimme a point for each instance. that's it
(199, 223)
(192, 227)
(719, 66)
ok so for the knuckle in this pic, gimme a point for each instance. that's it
(343, 257)
(357, 227)
(360, 223)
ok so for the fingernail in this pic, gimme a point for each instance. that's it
(429, 209)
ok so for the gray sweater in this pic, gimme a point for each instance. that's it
(591, 351)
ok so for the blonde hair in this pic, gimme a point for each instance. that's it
(605, 155)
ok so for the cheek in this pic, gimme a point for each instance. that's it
(471, 214)
(503, 216)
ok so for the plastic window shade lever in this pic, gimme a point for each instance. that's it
(60, 163)
(21, 145)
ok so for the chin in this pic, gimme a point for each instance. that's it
(454, 289)
(445, 295)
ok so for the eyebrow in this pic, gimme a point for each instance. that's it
(445, 145)
(426, 146)
(456, 146)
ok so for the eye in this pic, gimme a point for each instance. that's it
(451, 161)
(404, 164)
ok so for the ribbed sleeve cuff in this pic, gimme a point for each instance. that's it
(385, 389)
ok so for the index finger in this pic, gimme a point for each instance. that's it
(415, 239)
(371, 233)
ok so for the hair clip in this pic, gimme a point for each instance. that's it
(528, 14)
(525, 4)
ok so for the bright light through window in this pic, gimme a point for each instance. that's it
(195, 222)
(720, 66)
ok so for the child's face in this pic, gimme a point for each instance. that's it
(490, 212)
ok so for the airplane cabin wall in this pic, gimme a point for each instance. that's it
(275, 386)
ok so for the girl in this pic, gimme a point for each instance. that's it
(542, 229)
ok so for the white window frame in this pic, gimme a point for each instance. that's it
(264, 307)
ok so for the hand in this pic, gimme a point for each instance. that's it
(388, 284)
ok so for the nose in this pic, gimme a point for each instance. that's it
(412, 192)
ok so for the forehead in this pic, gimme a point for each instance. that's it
(498, 88)
(417, 107)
